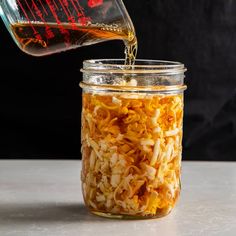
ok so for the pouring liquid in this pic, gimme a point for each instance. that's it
(39, 39)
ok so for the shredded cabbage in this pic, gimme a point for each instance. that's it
(131, 147)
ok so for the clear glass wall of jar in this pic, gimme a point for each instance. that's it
(132, 127)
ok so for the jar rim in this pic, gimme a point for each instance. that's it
(141, 66)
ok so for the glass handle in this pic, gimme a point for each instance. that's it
(1, 11)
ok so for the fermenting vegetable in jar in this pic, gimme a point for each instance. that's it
(131, 148)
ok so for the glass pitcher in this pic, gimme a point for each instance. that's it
(42, 27)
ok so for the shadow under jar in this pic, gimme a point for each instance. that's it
(132, 127)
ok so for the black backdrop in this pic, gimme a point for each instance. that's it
(40, 100)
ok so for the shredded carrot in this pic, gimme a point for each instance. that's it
(131, 147)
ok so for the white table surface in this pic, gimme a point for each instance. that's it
(44, 198)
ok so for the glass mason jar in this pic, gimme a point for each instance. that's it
(132, 120)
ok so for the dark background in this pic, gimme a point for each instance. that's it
(40, 100)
